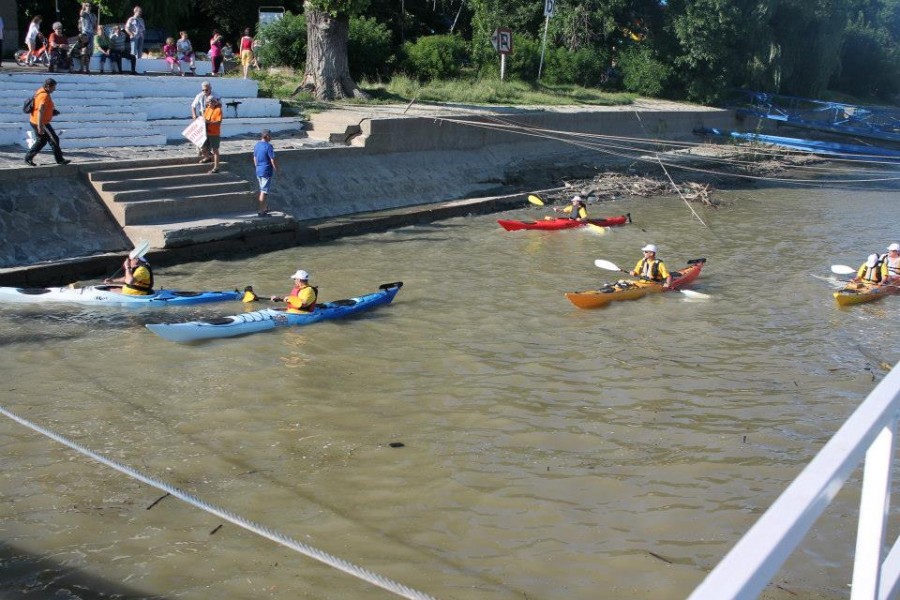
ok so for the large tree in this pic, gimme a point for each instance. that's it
(327, 74)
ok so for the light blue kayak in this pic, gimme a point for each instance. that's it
(102, 295)
(272, 318)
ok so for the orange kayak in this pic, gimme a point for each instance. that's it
(634, 289)
(857, 293)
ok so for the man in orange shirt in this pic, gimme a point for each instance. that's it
(41, 115)
(213, 116)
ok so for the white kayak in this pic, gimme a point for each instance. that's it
(103, 295)
(272, 318)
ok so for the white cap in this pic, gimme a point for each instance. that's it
(301, 275)
(577, 199)
(872, 260)
(894, 247)
(649, 248)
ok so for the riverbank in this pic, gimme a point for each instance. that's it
(402, 165)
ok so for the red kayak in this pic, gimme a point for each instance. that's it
(554, 224)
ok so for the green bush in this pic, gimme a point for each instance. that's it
(435, 57)
(369, 49)
(642, 73)
(284, 42)
(582, 67)
(524, 61)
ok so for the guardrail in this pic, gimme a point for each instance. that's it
(867, 435)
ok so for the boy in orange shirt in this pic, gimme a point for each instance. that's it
(213, 116)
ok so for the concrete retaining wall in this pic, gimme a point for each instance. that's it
(53, 214)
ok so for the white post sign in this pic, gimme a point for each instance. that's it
(549, 6)
(196, 131)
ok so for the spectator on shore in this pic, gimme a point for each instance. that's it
(264, 161)
(101, 48)
(80, 53)
(186, 52)
(213, 117)
(41, 115)
(135, 29)
(87, 24)
(170, 53)
(215, 52)
(201, 99)
(246, 47)
(257, 44)
(59, 49)
(118, 49)
(31, 38)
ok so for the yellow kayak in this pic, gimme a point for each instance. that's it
(857, 293)
(634, 289)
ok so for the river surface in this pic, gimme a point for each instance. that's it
(547, 452)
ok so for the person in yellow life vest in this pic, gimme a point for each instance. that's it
(652, 268)
(302, 298)
(890, 266)
(577, 210)
(138, 278)
(870, 271)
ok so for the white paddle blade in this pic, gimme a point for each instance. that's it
(605, 264)
(536, 200)
(139, 250)
(697, 295)
(842, 270)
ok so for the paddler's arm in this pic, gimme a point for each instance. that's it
(665, 273)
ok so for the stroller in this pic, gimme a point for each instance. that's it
(40, 56)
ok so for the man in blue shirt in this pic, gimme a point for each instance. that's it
(264, 160)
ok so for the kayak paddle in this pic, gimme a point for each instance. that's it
(536, 200)
(842, 270)
(140, 250)
(605, 264)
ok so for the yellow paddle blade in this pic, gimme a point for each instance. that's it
(536, 200)
(249, 295)
(597, 229)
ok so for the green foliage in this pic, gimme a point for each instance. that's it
(339, 9)
(642, 72)
(580, 67)
(369, 49)
(524, 61)
(869, 58)
(284, 42)
(435, 56)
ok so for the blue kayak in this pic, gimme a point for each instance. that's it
(272, 318)
(103, 295)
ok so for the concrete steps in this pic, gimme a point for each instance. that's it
(337, 127)
(163, 194)
(215, 227)
(141, 110)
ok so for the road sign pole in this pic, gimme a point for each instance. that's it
(502, 66)
(543, 47)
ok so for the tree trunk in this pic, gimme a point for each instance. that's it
(327, 74)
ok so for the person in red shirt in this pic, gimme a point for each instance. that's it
(213, 116)
(41, 115)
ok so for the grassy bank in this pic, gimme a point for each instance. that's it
(283, 83)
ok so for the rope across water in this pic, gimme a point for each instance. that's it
(314, 553)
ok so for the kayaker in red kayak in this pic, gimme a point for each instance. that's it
(577, 211)
(302, 298)
(870, 271)
(652, 268)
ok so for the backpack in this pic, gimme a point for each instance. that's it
(28, 107)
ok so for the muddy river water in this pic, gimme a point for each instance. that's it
(542, 451)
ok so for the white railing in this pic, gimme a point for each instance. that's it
(867, 435)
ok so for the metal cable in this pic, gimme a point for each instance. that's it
(314, 553)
